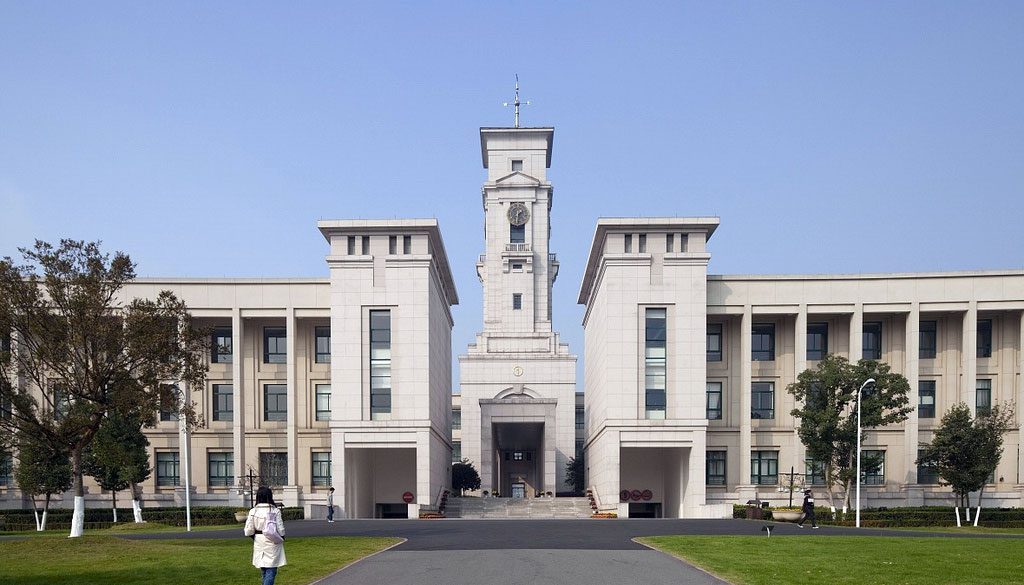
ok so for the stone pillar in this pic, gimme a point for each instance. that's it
(291, 491)
(910, 433)
(184, 450)
(799, 365)
(745, 490)
(857, 333)
(1020, 404)
(238, 401)
(969, 357)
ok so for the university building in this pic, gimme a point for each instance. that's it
(346, 381)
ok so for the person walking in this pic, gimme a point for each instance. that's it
(808, 510)
(265, 527)
(330, 505)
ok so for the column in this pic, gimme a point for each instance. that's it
(745, 490)
(184, 491)
(910, 371)
(237, 399)
(857, 333)
(1020, 402)
(969, 357)
(291, 331)
(799, 365)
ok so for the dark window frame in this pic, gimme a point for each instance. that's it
(321, 414)
(762, 342)
(817, 341)
(581, 417)
(982, 406)
(276, 351)
(225, 461)
(456, 419)
(711, 412)
(221, 352)
(380, 339)
(926, 474)
(928, 339)
(322, 344)
(714, 336)
(984, 343)
(272, 401)
(761, 464)
(516, 233)
(655, 343)
(716, 467)
(871, 340)
(759, 389)
(517, 301)
(869, 475)
(223, 411)
(814, 472)
(164, 463)
(925, 388)
(317, 467)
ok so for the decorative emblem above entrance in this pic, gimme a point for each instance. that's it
(517, 371)
(518, 214)
(407, 497)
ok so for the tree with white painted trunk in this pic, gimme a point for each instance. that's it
(118, 459)
(79, 353)
(40, 472)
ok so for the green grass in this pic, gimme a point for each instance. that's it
(109, 560)
(126, 528)
(962, 530)
(860, 560)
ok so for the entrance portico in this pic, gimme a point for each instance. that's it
(518, 445)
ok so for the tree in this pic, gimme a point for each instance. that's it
(117, 458)
(827, 409)
(41, 471)
(79, 353)
(966, 451)
(575, 474)
(464, 476)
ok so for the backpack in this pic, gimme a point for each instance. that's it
(270, 527)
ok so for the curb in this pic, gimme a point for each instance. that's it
(323, 580)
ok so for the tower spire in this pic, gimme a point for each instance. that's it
(516, 103)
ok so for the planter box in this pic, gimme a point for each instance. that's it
(241, 516)
(786, 515)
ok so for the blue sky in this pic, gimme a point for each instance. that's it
(207, 139)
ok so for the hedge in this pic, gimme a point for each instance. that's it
(908, 517)
(60, 518)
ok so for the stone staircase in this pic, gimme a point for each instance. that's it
(474, 507)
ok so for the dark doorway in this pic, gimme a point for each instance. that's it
(644, 510)
(392, 511)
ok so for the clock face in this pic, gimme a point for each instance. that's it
(518, 214)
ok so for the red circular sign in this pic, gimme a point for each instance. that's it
(407, 497)
(624, 495)
(646, 495)
(635, 494)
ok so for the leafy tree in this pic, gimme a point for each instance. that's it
(575, 474)
(464, 476)
(117, 457)
(966, 451)
(80, 352)
(41, 471)
(827, 409)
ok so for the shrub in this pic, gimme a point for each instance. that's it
(60, 518)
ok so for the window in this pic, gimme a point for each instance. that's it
(926, 474)
(456, 451)
(221, 469)
(517, 165)
(275, 348)
(817, 341)
(669, 242)
(928, 340)
(983, 397)
(714, 342)
(273, 468)
(517, 267)
(764, 467)
(6, 408)
(579, 447)
(762, 400)
(6, 469)
(322, 337)
(380, 364)
(321, 468)
(871, 341)
(5, 341)
(762, 346)
(985, 338)
(581, 417)
(366, 245)
(814, 473)
(61, 400)
(220, 346)
(642, 242)
(872, 464)
(323, 402)
(392, 245)
(168, 406)
(654, 363)
(517, 301)
(407, 244)
(223, 402)
(351, 245)
(714, 401)
(167, 468)
(715, 468)
(627, 246)
(456, 419)
(517, 234)
(926, 399)
(275, 402)
(517, 456)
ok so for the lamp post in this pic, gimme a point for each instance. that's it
(864, 386)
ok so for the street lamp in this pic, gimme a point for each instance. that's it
(864, 386)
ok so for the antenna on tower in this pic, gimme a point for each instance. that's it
(516, 102)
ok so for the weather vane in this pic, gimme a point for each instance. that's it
(516, 102)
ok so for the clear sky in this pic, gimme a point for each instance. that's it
(207, 139)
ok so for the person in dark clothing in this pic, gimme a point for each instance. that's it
(808, 509)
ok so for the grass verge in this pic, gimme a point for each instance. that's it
(838, 560)
(109, 560)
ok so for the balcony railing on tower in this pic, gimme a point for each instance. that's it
(517, 247)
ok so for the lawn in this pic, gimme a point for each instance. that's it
(861, 560)
(109, 560)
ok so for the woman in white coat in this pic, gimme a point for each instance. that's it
(267, 556)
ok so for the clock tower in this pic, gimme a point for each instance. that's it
(518, 370)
